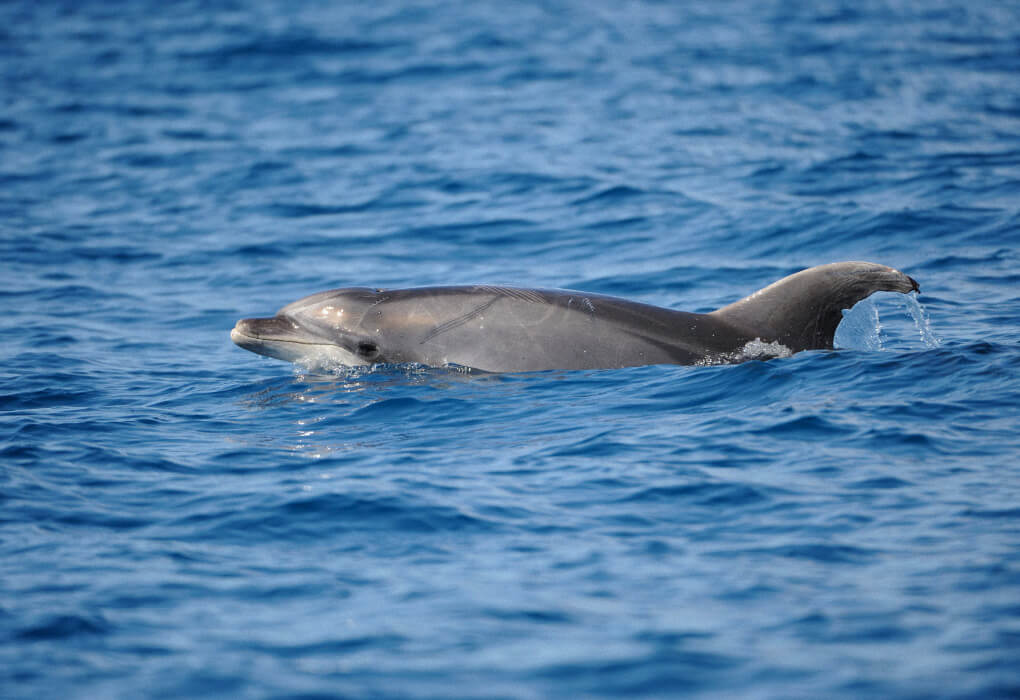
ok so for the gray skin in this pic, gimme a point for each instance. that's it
(507, 329)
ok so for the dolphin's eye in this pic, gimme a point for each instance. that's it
(366, 349)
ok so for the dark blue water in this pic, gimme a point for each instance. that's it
(180, 518)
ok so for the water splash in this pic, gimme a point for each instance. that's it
(862, 327)
(922, 322)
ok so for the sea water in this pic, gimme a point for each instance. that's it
(180, 518)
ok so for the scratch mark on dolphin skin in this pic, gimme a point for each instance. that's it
(589, 308)
(459, 321)
(378, 301)
(521, 294)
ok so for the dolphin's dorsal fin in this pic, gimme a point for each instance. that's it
(802, 311)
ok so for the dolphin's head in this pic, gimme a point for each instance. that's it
(319, 330)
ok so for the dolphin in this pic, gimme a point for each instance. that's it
(512, 329)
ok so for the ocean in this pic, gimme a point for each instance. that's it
(181, 518)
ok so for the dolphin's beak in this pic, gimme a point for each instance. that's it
(241, 332)
(255, 333)
(286, 339)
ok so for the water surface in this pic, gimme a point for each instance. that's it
(179, 518)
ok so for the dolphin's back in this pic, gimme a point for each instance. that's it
(509, 329)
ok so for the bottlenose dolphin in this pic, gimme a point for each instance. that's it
(509, 329)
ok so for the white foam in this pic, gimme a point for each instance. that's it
(756, 349)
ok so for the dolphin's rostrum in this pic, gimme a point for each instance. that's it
(508, 329)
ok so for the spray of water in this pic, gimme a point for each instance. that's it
(922, 322)
(862, 327)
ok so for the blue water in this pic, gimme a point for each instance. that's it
(181, 518)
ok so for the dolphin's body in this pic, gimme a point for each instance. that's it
(508, 329)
